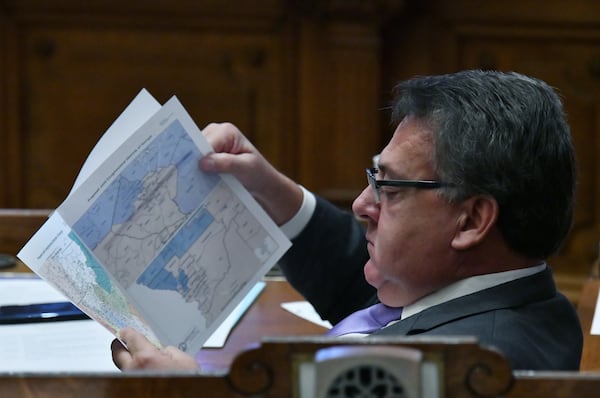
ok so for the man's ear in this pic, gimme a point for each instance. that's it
(478, 215)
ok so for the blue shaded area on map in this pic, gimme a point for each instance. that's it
(156, 276)
(173, 147)
(102, 278)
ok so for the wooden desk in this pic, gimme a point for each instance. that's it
(590, 360)
(264, 318)
(270, 370)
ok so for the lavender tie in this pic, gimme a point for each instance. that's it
(367, 320)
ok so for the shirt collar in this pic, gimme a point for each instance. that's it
(467, 286)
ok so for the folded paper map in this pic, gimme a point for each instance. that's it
(147, 240)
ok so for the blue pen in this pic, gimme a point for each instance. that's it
(41, 312)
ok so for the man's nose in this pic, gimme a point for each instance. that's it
(364, 206)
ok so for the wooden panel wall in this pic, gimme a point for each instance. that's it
(300, 78)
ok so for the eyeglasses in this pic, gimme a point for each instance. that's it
(377, 184)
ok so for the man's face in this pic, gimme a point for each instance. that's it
(409, 232)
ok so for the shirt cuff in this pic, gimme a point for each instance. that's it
(296, 224)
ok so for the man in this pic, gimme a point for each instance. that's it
(471, 195)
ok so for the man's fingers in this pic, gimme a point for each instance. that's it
(135, 341)
(225, 137)
(182, 360)
(120, 356)
(139, 353)
(227, 163)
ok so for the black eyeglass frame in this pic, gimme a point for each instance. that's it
(376, 184)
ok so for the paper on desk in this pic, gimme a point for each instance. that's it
(596, 319)
(305, 310)
(27, 290)
(71, 346)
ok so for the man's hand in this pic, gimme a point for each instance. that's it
(142, 354)
(234, 154)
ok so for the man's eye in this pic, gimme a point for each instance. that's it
(390, 192)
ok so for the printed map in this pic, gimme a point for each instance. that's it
(73, 270)
(174, 229)
(150, 241)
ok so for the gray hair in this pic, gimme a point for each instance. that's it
(504, 135)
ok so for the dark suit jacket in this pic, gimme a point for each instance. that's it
(534, 326)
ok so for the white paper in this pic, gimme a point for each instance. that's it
(149, 241)
(143, 106)
(70, 346)
(305, 310)
(596, 319)
(27, 290)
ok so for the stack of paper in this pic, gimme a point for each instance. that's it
(146, 240)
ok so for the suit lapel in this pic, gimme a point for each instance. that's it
(536, 287)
